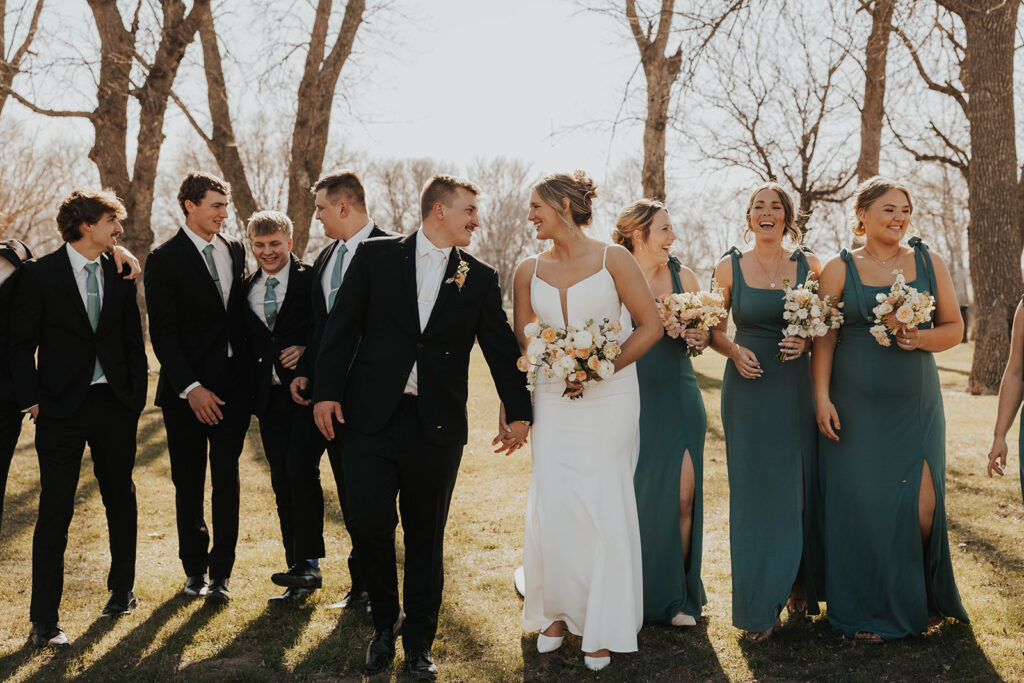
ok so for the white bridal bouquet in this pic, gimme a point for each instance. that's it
(583, 353)
(808, 315)
(691, 310)
(903, 308)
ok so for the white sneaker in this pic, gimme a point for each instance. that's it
(683, 619)
(596, 663)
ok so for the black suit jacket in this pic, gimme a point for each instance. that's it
(17, 253)
(188, 323)
(290, 329)
(49, 315)
(318, 304)
(372, 341)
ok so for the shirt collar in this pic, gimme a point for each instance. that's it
(199, 241)
(281, 275)
(424, 246)
(78, 262)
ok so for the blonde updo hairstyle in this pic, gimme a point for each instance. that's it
(578, 188)
(788, 211)
(869, 192)
(634, 223)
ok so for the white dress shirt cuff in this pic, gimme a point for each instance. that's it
(189, 388)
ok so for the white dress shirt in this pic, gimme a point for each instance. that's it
(257, 296)
(78, 263)
(431, 263)
(352, 243)
(6, 269)
(225, 273)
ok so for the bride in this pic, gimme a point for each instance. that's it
(582, 542)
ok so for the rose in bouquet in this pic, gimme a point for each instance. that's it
(584, 353)
(903, 308)
(691, 310)
(807, 315)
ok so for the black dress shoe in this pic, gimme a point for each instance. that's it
(292, 596)
(218, 592)
(120, 604)
(380, 654)
(300, 575)
(47, 635)
(420, 665)
(195, 586)
(356, 599)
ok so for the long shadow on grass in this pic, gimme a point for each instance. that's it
(343, 650)
(61, 664)
(260, 647)
(22, 509)
(811, 650)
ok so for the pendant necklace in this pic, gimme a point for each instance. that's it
(879, 261)
(772, 277)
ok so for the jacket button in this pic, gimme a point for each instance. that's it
(438, 426)
(419, 345)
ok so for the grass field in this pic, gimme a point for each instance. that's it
(479, 636)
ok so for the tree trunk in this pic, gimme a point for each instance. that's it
(873, 110)
(313, 112)
(994, 231)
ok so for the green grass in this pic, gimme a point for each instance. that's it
(479, 636)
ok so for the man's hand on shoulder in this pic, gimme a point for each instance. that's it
(324, 414)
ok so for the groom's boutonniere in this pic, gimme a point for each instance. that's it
(459, 278)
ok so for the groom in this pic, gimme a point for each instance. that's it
(393, 367)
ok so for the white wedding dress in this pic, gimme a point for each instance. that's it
(581, 550)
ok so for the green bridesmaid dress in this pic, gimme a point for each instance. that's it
(771, 449)
(672, 421)
(878, 576)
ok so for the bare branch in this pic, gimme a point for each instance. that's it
(947, 88)
(47, 112)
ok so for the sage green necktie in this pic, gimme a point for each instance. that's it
(92, 308)
(336, 275)
(208, 254)
(270, 302)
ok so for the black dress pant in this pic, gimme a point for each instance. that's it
(275, 433)
(304, 453)
(187, 442)
(10, 430)
(109, 428)
(398, 463)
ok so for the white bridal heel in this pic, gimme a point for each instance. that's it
(596, 663)
(547, 644)
(683, 619)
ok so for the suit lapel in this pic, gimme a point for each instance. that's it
(318, 272)
(197, 263)
(70, 285)
(446, 289)
(237, 254)
(293, 268)
(409, 276)
(110, 276)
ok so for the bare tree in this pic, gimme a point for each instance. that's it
(394, 194)
(311, 127)
(873, 106)
(505, 236)
(779, 111)
(984, 54)
(11, 57)
(119, 51)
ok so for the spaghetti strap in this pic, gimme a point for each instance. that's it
(604, 255)
(852, 277)
(802, 267)
(536, 260)
(737, 276)
(673, 268)
(923, 259)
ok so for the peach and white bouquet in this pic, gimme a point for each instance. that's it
(583, 353)
(901, 309)
(807, 315)
(691, 310)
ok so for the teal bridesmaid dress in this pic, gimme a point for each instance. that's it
(672, 422)
(771, 449)
(878, 576)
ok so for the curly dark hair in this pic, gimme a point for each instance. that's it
(86, 206)
(195, 186)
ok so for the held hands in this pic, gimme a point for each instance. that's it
(299, 389)
(909, 339)
(512, 437)
(827, 417)
(324, 414)
(794, 347)
(123, 256)
(206, 405)
(697, 339)
(746, 362)
(290, 356)
(997, 457)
